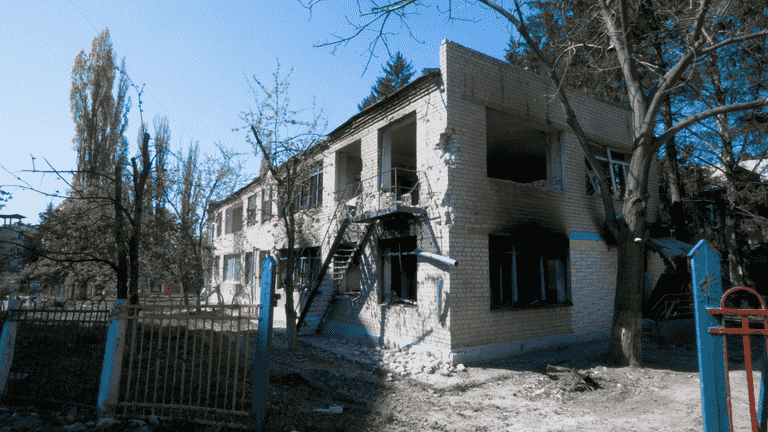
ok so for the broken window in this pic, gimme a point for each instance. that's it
(398, 256)
(521, 153)
(524, 274)
(398, 159)
(615, 166)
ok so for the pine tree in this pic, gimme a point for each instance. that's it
(397, 73)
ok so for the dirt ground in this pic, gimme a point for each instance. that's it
(663, 395)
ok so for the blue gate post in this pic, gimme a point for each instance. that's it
(707, 292)
(762, 414)
(113, 360)
(260, 363)
(8, 343)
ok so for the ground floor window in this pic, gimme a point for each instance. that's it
(249, 267)
(398, 258)
(232, 267)
(524, 274)
(306, 267)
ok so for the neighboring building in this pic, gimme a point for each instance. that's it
(11, 243)
(472, 162)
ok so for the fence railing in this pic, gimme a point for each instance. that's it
(74, 331)
(206, 363)
(185, 363)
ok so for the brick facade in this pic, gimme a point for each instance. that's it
(455, 116)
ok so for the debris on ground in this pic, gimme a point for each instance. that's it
(578, 381)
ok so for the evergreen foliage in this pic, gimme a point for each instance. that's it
(397, 73)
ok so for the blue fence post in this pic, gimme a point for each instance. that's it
(113, 356)
(8, 343)
(707, 292)
(260, 363)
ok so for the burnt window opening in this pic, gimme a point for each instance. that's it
(398, 257)
(520, 153)
(525, 274)
(615, 167)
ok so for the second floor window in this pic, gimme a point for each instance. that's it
(233, 219)
(251, 212)
(218, 224)
(266, 204)
(615, 167)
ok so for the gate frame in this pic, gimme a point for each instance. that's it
(709, 300)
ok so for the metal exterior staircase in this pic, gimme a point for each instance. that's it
(345, 249)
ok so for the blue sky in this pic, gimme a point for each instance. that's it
(195, 60)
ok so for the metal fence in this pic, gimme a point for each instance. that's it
(54, 351)
(187, 361)
(168, 356)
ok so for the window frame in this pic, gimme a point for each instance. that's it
(228, 221)
(248, 268)
(237, 217)
(266, 204)
(610, 165)
(235, 270)
(251, 210)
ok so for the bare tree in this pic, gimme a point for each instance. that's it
(709, 27)
(286, 143)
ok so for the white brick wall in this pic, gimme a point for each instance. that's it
(465, 206)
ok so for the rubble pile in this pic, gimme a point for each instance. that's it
(401, 361)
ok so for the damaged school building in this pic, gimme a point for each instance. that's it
(457, 214)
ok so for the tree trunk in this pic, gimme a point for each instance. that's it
(627, 331)
(122, 257)
(139, 187)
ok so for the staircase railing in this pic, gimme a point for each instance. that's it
(340, 208)
(403, 187)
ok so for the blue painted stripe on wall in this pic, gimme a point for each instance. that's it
(580, 235)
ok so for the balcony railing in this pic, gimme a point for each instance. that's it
(398, 186)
